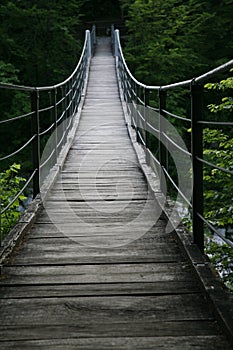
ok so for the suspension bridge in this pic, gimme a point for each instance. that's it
(99, 260)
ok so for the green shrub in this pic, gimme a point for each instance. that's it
(10, 185)
(221, 256)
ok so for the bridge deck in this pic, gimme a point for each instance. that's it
(97, 270)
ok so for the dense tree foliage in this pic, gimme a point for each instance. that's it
(39, 45)
(218, 205)
(218, 150)
(38, 37)
(218, 185)
(174, 40)
(221, 256)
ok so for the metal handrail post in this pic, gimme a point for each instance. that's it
(35, 126)
(197, 151)
(116, 48)
(65, 108)
(162, 148)
(63, 111)
(136, 113)
(89, 44)
(146, 116)
(94, 36)
(113, 39)
(72, 101)
(55, 123)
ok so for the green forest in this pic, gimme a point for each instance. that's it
(176, 40)
(164, 41)
(167, 41)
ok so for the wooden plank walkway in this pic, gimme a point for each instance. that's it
(97, 271)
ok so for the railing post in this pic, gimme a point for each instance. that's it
(69, 102)
(146, 116)
(55, 123)
(89, 44)
(116, 49)
(36, 141)
(64, 105)
(136, 113)
(113, 39)
(162, 148)
(93, 43)
(72, 101)
(130, 100)
(197, 151)
(124, 80)
(63, 89)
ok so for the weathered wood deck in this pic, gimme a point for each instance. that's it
(97, 270)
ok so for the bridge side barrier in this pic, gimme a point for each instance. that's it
(52, 115)
(150, 121)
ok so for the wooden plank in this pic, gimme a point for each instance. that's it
(92, 331)
(100, 186)
(70, 257)
(48, 229)
(54, 250)
(129, 310)
(148, 240)
(94, 235)
(49, 245)
(10, 291)
(70, 342)
(102, 273)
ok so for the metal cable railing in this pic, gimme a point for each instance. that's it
(154, 131)
(57, 104)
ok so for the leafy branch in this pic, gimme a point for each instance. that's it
(218, 205)
(10, 185)
(227, 101)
